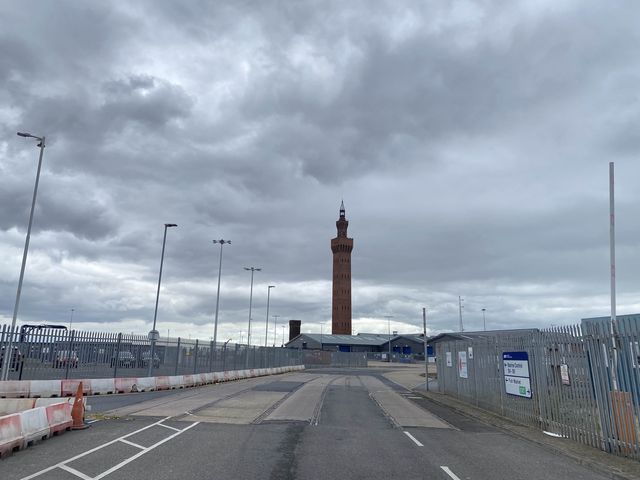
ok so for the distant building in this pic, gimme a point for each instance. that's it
(341, 246)
(404, 344)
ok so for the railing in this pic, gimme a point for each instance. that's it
(584, 381)
(323, 358)
(58, 354)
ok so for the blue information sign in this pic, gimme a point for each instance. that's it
(516, 374)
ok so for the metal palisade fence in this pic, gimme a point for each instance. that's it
(46, 353)
(581, 382)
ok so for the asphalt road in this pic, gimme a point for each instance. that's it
(307, 425)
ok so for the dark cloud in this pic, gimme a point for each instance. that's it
(470, 144)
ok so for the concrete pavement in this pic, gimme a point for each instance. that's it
(411, 377)
(352, 423)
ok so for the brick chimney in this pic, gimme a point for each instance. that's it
(294, 328)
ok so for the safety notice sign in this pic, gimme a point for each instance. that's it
(517, 380)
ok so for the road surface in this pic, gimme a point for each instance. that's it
(307, 425)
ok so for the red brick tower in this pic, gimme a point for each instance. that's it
(341, 247)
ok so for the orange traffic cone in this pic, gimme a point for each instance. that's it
(77, 411)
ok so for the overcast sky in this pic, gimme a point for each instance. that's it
(470, 142)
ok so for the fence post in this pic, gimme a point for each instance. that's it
(224, 356)
(211, 350)
(235, 358)
(195, 358)
(175, 370)
(116, 358)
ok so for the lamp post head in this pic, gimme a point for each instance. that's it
(272, 286)
(253, 269)
(222, 242)
(28, 135)
(168, 225)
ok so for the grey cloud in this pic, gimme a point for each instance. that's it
(471, 153)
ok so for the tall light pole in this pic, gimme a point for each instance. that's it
(389, 317)
(460, 300)
(215, 323)
(275, 329)
(612, 261)
(282, 335)
(266, 328)
(71, 319)
(153, 334)
(250, 269)
(8, 350)
(484, 320)
(426, 350)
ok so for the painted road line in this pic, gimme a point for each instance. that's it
(99, 447)
(169, 427)
(448, 471)
(415, 440)
(139, 454)
(132, 444)
(75, 472)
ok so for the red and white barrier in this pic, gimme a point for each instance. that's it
(59, 417)
(162, 383)
(19, 430)
(15, 405)
(146, 384)
(176, 381)
(189, 380)
(45, 388)
(10, 434)
(34, 425)
(125, 385)
(70, 387)
(101, 386)
(15, 389)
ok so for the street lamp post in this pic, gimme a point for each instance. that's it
(153, 334)
(484, 320)
(5, 367)
(282, 336)
(389, 317)
(250, 269)
(275, 329)
(71, 319)
(266, 328)
(215, 323)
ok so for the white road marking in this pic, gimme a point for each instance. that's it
(132, 444)
(75, 472)
(139, 454)
(169, 427)
(450, 473)
(415, 440)
(100, 447)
